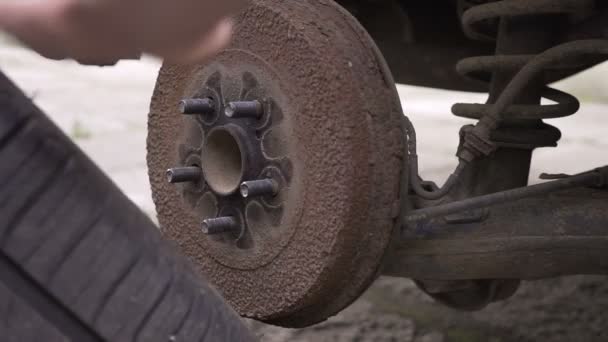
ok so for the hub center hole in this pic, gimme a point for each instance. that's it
(223, 161)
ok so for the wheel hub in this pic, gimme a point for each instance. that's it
(246, 178)
(289, 151)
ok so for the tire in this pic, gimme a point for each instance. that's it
(78, 260)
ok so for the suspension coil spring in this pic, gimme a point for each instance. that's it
(480, 22)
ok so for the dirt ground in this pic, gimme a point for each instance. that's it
(565, 309)
(104, 111)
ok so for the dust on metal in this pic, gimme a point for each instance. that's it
(183, 174)
(219, 225)
(196, 106)
(260, 187)
(244, 109)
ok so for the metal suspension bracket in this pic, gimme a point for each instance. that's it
(485, 220)
(595, 178)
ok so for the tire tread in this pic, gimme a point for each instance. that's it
(90, 264)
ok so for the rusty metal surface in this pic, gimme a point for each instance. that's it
(341, 131)
(495, 154)
(544, 236)
(595, 178)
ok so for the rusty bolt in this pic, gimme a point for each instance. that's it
(183, 174)
(244, 109)
(219, 225)
(196, 106)
(261, 187)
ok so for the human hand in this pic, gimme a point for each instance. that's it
(104, 31)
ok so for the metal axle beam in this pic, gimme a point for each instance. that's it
(562, 233)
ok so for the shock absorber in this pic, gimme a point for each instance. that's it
(528, 57)
(525, 29)
(495, 154)
(522, 30)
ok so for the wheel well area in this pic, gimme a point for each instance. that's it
(420, 40)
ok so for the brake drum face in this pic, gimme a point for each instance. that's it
(328, 135)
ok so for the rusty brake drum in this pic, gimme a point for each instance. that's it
(286, 157)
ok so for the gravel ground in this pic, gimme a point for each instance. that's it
(104, 111)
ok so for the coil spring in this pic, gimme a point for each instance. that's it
(480, 23)
(487, 134)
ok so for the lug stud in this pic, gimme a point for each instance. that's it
(184, 174)
(196, 106)
(244, 109)
(219, 225)
(261, 187)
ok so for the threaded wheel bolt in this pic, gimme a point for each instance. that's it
(261, 187)
(219, 225)
(244, 109)
(196, 106)
(183, 174)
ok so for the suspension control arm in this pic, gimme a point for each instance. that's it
(597, 178)
(539, 235)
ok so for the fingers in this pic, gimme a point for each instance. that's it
(100, 32)
(209, 44)
(36, 24)
(14, 15)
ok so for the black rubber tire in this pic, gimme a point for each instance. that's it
(79, 261)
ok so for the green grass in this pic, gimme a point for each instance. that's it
(79, 131)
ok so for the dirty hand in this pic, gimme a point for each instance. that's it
(104, 31)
